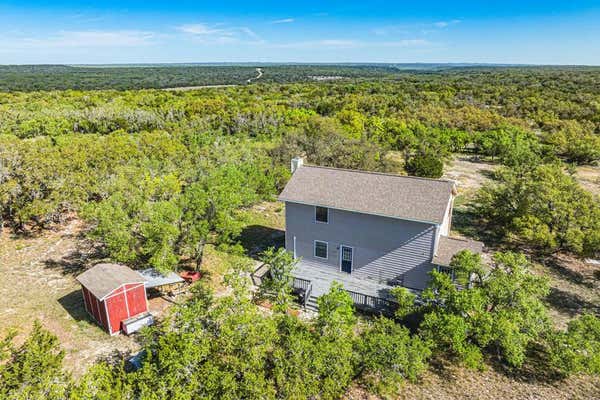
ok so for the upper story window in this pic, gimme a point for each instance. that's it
(322, 215)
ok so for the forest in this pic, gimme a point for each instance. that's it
(159, 175)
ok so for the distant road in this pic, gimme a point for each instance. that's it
(259, 75)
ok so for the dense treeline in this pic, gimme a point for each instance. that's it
(60, 151)
(63, 77)
(227, 348)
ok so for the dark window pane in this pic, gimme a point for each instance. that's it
(321, 249)
(447, 270)
(322, 214)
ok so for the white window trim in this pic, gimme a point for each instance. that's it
(351, 261)
(321, 222)
(452, 272)
(326, 249)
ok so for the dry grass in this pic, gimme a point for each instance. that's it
(38, 282)
(469, 173)
(454, 383)
(589, 177)
(262, 226)
(575, 287)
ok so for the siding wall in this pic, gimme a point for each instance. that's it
(445, 227)
(384, 248)
(124, 302)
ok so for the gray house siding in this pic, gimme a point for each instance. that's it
(384, 249)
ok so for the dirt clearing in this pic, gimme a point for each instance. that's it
(38, 282)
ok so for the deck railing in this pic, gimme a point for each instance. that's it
(299, 283)
(372, 303)
(305, 286)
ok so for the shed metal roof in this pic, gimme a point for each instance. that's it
(448, 247)
(156, 279)
(103, 279)
(396, 196)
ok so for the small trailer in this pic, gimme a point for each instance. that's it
(136, 323)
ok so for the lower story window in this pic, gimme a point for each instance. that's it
(446, 270)
(320, 249)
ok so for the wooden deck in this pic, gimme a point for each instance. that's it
(322, 276)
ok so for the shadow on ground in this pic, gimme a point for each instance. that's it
(257, 238)
(570, 275)
(466, 222)
(73, 304)
(74, 262)
(570, 303)
(535, 370)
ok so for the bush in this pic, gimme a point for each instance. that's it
(577, 349)
(501, 312)
(426, 165)
(545, 207)
(34, 369)
(388, 355)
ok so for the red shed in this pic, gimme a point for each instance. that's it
(113, 293)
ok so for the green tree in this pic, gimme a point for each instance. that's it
(575, 141)
(545, 207)
(577, 349)
(511, 146)
(388, 355)
(279, 283)
(405, 300)
(501, 311)
(34, 369)
(426, 165)
(336, 311)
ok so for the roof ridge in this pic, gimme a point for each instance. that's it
(380, 173)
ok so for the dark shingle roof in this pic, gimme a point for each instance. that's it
(102, 279)
(448, 247)
(395, 196)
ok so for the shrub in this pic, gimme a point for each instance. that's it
(426, 165)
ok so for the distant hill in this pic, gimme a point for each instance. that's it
(157, 76)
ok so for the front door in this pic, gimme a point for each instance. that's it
(346, 259)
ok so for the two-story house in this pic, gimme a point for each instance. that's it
(369, 231)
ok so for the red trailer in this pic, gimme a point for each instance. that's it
(113, 293)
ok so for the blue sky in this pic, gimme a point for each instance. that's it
(73, 32)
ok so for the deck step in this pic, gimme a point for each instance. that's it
(312, 304)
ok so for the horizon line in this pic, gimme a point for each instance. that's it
(284, 63)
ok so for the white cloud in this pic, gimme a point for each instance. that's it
(69, 39)
(283, 21)
(200, 29)
(407, 43)
(248, 32)
(445, 24)
(424, 28)
(219, 33)
(348, 44)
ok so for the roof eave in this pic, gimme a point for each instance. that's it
(282, 199)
